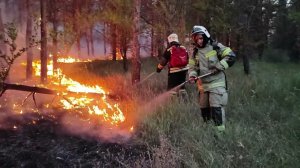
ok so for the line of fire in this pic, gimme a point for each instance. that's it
(91, 104)
(38, 81)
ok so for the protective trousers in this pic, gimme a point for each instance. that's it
(176, 78)
(215, 113)
(212, 104)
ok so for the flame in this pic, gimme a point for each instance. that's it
(118, 55)
(71, 60)
(37, 68)
(98, 106)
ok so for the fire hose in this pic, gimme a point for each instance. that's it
(196, 78)
(146, 78)
(163, 97)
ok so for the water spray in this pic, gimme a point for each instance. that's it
(164, 97)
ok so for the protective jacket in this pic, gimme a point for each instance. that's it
(176, 75)
(166, 59)
(212, 58)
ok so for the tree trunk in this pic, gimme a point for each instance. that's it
(28, 38)
(92, 40)
(3, 50)
(246, 63)
(245, 52)
(124, 56)
(114, 41)
(21, 12)
(228, 38)
(104, 39)
(87, 38)
(76, 27)
(43, 41)
(136, 60)
(78, 44)
(8, 7)
(153, 46)
(3, 47)
(55, 41)
(55, 47)
(160, 45)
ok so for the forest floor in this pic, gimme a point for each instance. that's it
(39, 140)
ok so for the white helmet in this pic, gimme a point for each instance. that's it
(201, 30)
(173, 37)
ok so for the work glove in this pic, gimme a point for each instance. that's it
(158, 70)
(192, 79)
(215, 71)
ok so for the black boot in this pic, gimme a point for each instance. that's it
(206, 114)
(217, 116)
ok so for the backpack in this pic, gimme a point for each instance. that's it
(179, 57)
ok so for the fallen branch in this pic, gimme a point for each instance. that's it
(34, 89)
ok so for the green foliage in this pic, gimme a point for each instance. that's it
(7, 59)
(118, 12)
(287, 18)
(295, 16)
(11, 31)
(294, 11)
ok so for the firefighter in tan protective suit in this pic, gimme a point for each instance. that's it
(210, 57)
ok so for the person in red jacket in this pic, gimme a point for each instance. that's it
(176, 57)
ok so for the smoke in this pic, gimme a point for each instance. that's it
(17, 111)
(94, 129)
(4, 115)
(155, 104)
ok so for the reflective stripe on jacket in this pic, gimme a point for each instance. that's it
(166, 58)
(206, 59)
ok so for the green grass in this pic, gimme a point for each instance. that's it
(262, 128)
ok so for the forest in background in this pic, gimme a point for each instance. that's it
(252, 28)
(262, 115)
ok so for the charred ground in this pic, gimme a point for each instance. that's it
(45, 144)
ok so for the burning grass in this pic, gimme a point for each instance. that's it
(94, 104)
(90, 133)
